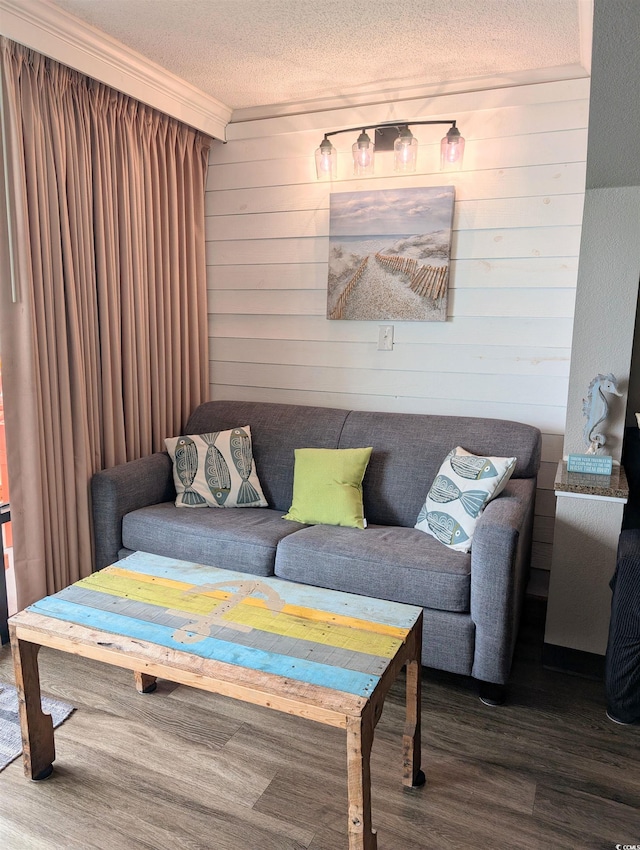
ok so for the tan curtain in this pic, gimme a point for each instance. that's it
(103, 315)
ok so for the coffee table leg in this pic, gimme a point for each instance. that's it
(359, 743)
(36, 727)
(145, 684)
(412, 775)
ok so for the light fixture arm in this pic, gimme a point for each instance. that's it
(391, 124)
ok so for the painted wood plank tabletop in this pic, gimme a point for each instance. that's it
(322, 637)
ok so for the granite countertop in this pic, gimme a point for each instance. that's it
(612, 486)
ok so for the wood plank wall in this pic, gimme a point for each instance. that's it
(504, 350)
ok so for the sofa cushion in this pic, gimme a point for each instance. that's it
(400, 564)
(327, 486)
(463, 486)
(215, 470)
(408, 449)
(234, 540)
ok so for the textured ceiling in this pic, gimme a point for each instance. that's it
(259, 52)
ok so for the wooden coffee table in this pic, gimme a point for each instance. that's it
(320, 654)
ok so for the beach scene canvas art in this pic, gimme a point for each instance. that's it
(389, 253)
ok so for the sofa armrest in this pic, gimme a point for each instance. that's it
(500, 557)
(124, 488)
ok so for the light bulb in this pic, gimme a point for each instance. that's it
(405, 151)
(451, 150)
(363, 154)
(326, 161)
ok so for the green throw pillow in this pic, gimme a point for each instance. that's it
(327, 486)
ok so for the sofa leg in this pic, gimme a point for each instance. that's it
(492, 694)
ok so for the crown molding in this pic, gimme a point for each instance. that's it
(409, 90)
(40, 25)
(443, 105)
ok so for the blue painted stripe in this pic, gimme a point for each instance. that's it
(334, 678)
(335, 601)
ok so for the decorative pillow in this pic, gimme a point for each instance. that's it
(215, 470)
(327, 486)
(463, 486)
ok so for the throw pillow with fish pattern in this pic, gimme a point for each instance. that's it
(461, 489)
(215, 470)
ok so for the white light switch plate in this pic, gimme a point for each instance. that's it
(385, 338)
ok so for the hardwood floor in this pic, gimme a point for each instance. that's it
(181, 769)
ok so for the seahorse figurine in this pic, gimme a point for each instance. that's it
(596, 408)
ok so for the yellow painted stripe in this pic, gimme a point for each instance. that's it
(259, 617)
(153, 593)
(296, 610)
(322, 633)
(143, 577)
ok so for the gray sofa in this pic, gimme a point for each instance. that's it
(471, 601)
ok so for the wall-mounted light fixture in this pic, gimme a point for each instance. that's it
(394, 136)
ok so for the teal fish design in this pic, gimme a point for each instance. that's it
(240, 443)
(216, 470)
(446, 529)
(473, 501)
(469, 466)
(186, 459)
(444, 490)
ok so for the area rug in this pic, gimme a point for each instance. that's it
(10, 740)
